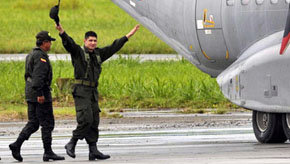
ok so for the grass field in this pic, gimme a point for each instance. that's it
(22, 19)
(12, 112)
(127, 84)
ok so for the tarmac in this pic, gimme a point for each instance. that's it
(163, 137)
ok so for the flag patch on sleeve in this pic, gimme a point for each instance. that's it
(43, 60)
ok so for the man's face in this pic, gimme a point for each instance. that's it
(46, 45)
(91, 43)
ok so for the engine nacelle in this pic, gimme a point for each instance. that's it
(259, 82)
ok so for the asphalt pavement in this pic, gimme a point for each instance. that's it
(161, 137)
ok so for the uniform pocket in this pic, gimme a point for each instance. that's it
(80, 91)
(80, 113)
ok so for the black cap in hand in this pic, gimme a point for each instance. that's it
(53, 14)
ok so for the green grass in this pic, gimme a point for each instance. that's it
(127, 84)
(220, 111)
(191, 111)
(157, 85)
(21, 20)
(16, 112)
(12, 112)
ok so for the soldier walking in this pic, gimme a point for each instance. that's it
(38, 76)
(87, 62)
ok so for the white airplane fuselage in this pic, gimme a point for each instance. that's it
(237, 41)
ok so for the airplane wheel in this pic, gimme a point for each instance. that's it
(268, 127)
(286, 124)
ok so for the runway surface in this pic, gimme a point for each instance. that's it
(134, 142)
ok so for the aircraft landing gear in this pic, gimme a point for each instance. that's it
(268, 127)
(286, 124)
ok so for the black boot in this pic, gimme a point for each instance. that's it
(49, 154)
(95, 153)
(70, 147)
(15, 149)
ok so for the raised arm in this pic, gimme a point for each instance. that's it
(109, 51)
(67, 41)
(133, 31)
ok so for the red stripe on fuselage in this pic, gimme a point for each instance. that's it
(285, 43)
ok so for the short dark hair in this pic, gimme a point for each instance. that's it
(39, 42)
(90, 33)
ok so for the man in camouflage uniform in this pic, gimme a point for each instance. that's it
(38, 76)
(87, 62)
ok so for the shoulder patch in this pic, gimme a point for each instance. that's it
(43, 60)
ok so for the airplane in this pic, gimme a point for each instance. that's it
(238, 43)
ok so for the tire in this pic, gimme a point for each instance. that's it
(286, 124)
(268, 127)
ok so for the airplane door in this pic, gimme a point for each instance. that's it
(210, 34)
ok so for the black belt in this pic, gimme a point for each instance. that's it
(85, 83)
